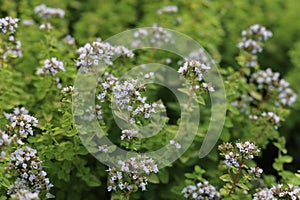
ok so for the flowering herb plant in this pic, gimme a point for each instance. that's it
(44, 153)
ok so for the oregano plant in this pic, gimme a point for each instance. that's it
(162, 117)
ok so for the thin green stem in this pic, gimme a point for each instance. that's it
(51, 92)
(3, 49)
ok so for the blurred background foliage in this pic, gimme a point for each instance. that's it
(216, 25)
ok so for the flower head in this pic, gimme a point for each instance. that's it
(21, 122)
(167, 9)
(202, 190)
(8, 24)
(48, 12)
(52, 66)
(31, 176)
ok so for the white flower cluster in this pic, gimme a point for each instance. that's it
(5, 141)
(140, 33)
(201, 191)
(269, 116)
(248, 149)
(106, 85)
(258, 32)
(27, 22)
(21, 123)
(157, 36)
(51, 66)
(92, 54)
(265, 78)
(139, 164)
(125, 92)
(128, 134)
(24, 163)
(251, 44)
(69, 40)
(234, 155)
(256, 171)
(167, 9)
(160, 35)
(58, 83)
(24, 194)
(168, 60)
(134, 174)
(30, 174)
(175, 144)
(272, 117)
(195, 70)
(14, 49)
(8, 24)
(195, 67)
(278, 192)
(47, 26)
(127, 97)
(232, 159)
(68, 89)
(92, 113)
(4, 138)
(200, 56)
(251, 39)
(269, 80)
(149, 75)
(103, 148)
(146, 109)
(243, 103)
(47, 12)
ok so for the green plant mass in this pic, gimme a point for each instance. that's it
(132, 99)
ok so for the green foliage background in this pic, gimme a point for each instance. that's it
(214, 24)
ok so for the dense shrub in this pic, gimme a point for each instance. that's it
(43, 45)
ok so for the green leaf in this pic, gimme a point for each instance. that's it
(5, 182)
(163, 176)
(256, 95)
(199, 170)
(200, 100)
(68, 154)
(82, 150)
(243, 186)
(233, 109)
(278, 166)
(92, 180)
(285, 159)
(224, 192)
(225, 135)
(189, 175)
(153, 178)
(290, 177)
(225, 178)
(269, 179)
(3, 198)
(280, 144)
(51, 196)
(228, 122)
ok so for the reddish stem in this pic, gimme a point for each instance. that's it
(236, 180)
(262, 133)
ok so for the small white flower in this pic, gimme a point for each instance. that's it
(47, 12)
(167, 9)
(52, 66)
(8, 24)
